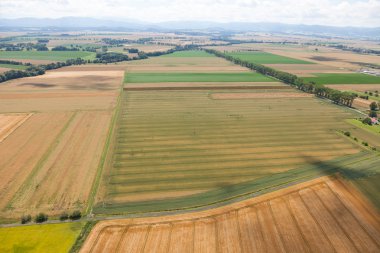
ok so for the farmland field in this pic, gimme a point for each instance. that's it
(347, 78)
(171, 153)
(190, 53)
(10, 122)
(13, 66)
(266, 58)
(46, 55)
(322, 215)
(195, 77)
(54, 238)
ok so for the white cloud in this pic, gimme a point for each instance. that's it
(325, 12)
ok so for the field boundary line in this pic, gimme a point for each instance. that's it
(42, 160)
(105, 153)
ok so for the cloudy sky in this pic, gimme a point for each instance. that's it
(324, 12)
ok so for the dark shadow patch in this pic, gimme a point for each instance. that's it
(323, 58)
(39, 85)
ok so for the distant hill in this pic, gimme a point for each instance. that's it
(66, 23)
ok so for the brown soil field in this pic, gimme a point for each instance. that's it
(24, 148)
(361, 103)
(307, 70)
(322, 215)
(2, 70)
(76, 88)
(63, 180)
(355, 87)
(10, 122)
(259, 95)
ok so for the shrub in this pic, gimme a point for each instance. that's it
(347, 133)
(365, 143)
(76, 215)
(355, 139)
(64, 216)
(367, 121)
(26, 219)
(41, 217)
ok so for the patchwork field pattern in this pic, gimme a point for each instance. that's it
(168, 146)
(324, 215)
(49, 238)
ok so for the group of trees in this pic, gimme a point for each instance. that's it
(63, 48)
(23, 46)
(33, 70)
(338, 97)
(42, 217)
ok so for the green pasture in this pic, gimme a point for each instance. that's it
(175, 141)
(45, 238)
(46, 55)
(344, 78)
(195, 77)
(266, 58)
(13, 66)
(375, 129)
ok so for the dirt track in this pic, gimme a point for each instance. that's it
(322, 215)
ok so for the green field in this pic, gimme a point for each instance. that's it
(45, 238)
(189, 53)
(354, 78)
(372, 129)
(185, 143)
(266, 58)
(46, 55)
(13, 66)
(195, 77)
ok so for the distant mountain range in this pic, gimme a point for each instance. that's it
(80, 23)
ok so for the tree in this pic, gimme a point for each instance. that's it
(41, 217)
(26, 219)
(76, 215)
(373, 106)
(372, 114)
(64, 216)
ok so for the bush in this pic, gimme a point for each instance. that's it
(26, 219)
(64, 216)
(373, 106)
(355, 139)
(41, 217)
(365, 143)
(347, 133)
(76, 215)
(367, 121)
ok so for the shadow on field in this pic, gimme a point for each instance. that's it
(330, 167)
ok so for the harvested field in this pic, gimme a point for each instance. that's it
(63, 180)
(322, 215)
(24, 148)
(259, 95)
(195, 77)
(307, 70)
(355, 87)
(219, 151)
(10, 122)
(78, 88)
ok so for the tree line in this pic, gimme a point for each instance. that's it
(338, 97)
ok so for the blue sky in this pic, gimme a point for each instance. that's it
(324, 12)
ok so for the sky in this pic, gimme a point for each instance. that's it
(323, 12)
